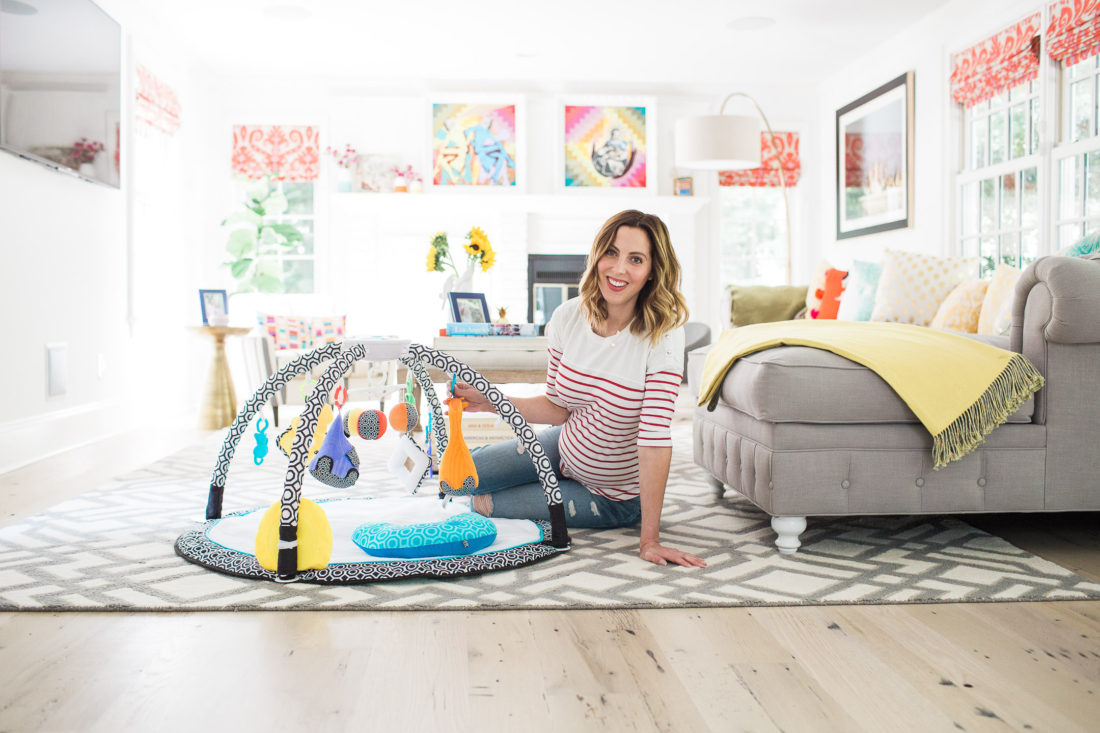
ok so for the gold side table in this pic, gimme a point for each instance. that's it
(219, 401)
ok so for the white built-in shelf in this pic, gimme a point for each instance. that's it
(565, 203)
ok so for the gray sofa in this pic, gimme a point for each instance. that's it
(803, 432)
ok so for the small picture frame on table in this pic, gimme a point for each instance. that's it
(215, 307)
(685, 186)
(469, 308)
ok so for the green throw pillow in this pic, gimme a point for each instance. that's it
(765, 303)
(1083, 247)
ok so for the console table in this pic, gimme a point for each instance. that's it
(500, 359)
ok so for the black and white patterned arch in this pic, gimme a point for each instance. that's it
(295, 471)
(526, 435)
(251, 408)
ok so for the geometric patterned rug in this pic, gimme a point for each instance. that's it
(111, 549)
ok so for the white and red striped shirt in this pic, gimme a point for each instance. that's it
(620, 392)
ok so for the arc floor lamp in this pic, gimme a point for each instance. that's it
(728, 142)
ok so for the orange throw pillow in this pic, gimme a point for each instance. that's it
(830, 294)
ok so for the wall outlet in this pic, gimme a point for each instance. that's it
(56, 369)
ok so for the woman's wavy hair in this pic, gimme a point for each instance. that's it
(660, 306)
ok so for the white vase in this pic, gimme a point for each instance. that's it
(343, 179)
(87, 170)
(463, 283)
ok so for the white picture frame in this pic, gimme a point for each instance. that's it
(583, 140)
(485, 163)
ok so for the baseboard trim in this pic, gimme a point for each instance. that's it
(35, 438)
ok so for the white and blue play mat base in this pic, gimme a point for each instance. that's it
(228, 544)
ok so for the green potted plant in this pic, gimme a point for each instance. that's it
(252, 238)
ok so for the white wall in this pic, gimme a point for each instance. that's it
(98, 269)
(925, 48)
(378, 243)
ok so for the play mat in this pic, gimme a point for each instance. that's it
(361, 539)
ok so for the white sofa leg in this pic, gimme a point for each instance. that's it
(787, 530)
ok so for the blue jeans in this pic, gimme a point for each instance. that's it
(511, 478)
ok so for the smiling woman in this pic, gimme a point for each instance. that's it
(615, 363)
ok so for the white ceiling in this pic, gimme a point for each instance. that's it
(658, 46)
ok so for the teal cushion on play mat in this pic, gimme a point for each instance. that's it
(461, 534)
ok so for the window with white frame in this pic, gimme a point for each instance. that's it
(1077, 156)
(753, 226)
(1008, 211)
(289, 260)
(997, 82)
(288, 158)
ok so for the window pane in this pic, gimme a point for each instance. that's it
(1030, 214)
(1018, 130)
(753, 236)
(298, 276)
(1068, 234)
(979, 142)
(299, 196)
(1001, 100)
(1092, 183)
(1010, 249)
(1029, 247)
(1010, 206)
(987, 256)
(1020, 92)
(1081, 106)
(1069, 189)
(305, 226)
(1079, 70)
(990, 215)
(1035, 126)
(998, 142)
(970, 208)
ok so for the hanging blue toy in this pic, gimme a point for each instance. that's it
(259, 453)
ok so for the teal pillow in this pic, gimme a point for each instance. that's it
(1082, 248)
(462, 534)
(858, 299)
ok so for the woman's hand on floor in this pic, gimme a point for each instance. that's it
(658, 554)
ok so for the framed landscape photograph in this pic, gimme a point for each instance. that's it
(607, 144)
(476, 144)
(874, 154)
(469, 308)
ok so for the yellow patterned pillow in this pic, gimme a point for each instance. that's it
(962, 306)
(996, 316)
(913, 285)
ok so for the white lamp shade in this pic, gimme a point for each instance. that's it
(718, 142)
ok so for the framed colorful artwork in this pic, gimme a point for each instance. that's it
(608, 144)
(874, 161)
(477, 144)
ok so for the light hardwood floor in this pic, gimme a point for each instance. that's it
(937, 667)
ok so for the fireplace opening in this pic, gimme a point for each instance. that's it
(551, 280)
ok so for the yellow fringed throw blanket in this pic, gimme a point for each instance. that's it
(960, 389)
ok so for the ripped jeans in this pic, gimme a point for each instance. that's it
(511, 478)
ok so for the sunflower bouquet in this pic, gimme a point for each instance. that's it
(478, 251)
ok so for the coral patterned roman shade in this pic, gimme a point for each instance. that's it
(1074, 31)
(290, 153)
(784, 152)
(997, 64)
(157, 104)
